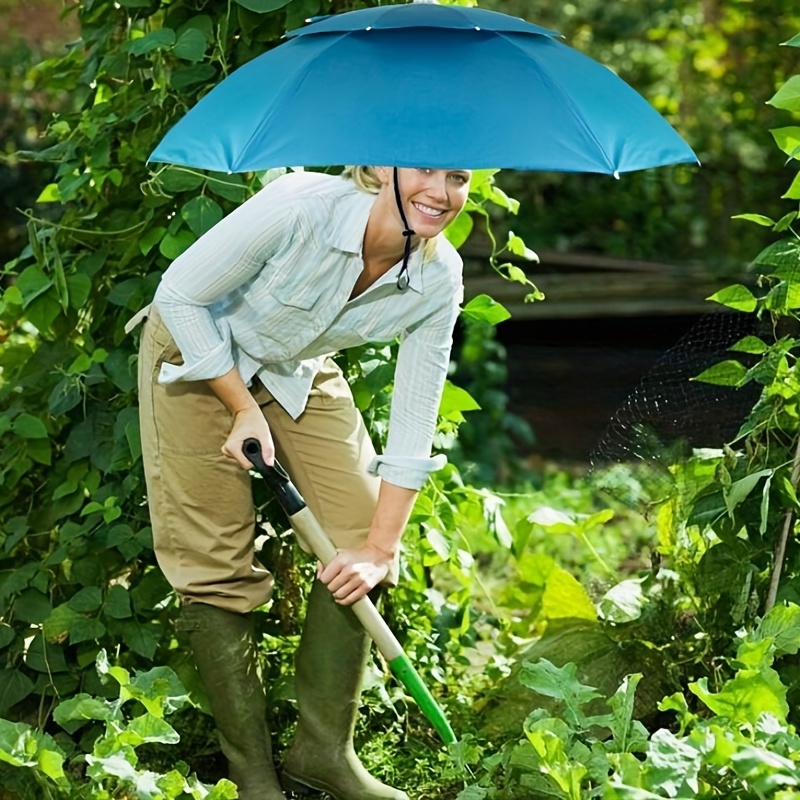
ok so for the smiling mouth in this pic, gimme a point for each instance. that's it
(428, 211)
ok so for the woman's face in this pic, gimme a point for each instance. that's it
(432, 198)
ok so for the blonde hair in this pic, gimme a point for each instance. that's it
(364, 178)
(367, 181)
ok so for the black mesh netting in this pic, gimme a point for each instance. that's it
(668, 414)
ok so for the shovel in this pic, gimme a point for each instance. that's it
(310, 531)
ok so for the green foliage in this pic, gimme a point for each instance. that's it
(112, 766)
(77, 571)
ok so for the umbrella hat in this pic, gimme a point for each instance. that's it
(424, 85)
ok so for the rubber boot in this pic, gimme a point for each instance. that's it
(225, 654)
(329, 670)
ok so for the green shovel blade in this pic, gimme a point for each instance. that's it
(404, 671)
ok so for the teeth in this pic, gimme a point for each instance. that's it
(431, 212)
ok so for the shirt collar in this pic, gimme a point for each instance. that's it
(348, 224)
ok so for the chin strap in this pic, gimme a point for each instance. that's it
(402, 277)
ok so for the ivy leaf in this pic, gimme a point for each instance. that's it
(201, 214)
(29, 427)
(191, 45)
(65, 396)
(87, 600)
(759, 219)
(788, 96)
(14, 687)
(737, 297)
(172, 246)
(32, 283)
(726, 373)
(793, 192)
(155, 40)
(485, 309)
(198, 73)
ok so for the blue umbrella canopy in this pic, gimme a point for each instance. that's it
(423, 85)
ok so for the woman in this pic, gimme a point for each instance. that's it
(237, 345)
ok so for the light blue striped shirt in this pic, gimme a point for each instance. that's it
(267, 290)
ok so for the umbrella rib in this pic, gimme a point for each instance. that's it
(570, 105)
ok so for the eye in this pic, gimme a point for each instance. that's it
(425, 170)
(460, 178)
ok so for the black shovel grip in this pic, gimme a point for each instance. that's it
(275, 476)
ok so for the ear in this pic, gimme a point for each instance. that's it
(383, 174)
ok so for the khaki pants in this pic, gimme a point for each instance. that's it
(201, 504)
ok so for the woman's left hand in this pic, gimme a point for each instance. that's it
(353, 573)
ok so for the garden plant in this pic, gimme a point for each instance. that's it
(562, 677)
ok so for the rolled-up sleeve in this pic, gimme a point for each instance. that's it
(229, 255)
(422, 364)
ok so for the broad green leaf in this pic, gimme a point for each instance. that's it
(750, 344)
(7, 635)
(263, 6)
(458, 231)
(437, 540)
(726, 373)
(87, 600)
(454, 398)
(56, 626)
(552, 520)
(231, 187)
(783, 254)
(15, 686)
(45, 657)
(517, 246)
(565, 598)
(172, 246)
(79, 287)
(672, 762)
(788, 139)
(159, 689)
(737, 297)
(788, 96)
(32, 606)
(781, 624)
(560, 683)
(785, 222)
(86, 630)
(191, 45)
(759, 219)
(739, 490)
(83, 707)
(485, 309)
(49, 194)
(32, 282)
(623, 602)
(65, 396)
(151, 728)
(201, 214)
(746, 697)
(150, 239)
(793, 192)
(142, 639)
(793, 42)
(155, 40)
(118, 603)
(180, 79)
(29, 427)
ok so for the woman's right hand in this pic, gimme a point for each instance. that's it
(249, 423)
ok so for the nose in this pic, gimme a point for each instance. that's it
(438, 185)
